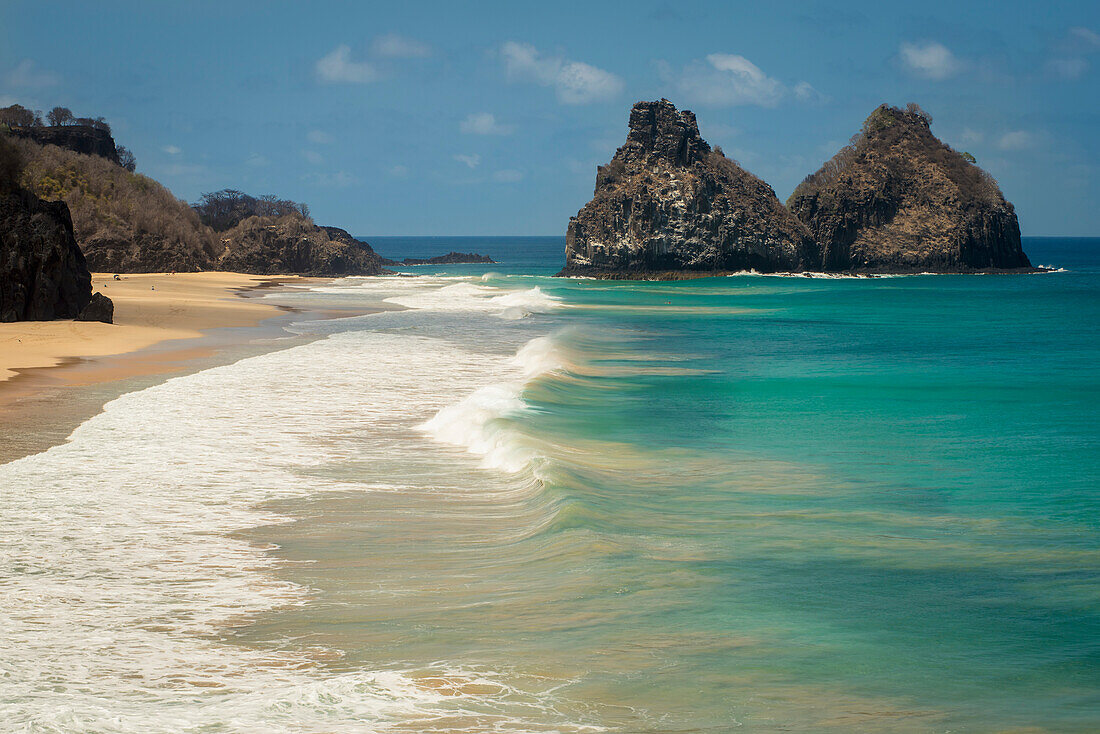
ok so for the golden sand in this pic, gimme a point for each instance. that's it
(149, 309)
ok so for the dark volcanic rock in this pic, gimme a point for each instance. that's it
(42, 271)
(100, 308)
(898, 200)
(294, 244)
(667, 204)
(451, 258)
(77, 138)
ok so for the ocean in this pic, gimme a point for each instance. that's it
(514, 503)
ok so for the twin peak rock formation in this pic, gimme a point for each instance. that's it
(895, 200)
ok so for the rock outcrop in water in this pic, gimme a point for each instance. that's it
(451, 258)
(668, 206)
(898, 200)
(294, 244)
(43, 274)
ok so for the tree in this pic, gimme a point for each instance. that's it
(915, 109)
(60, 116)
(223, 210)
(126, 159)
(969, 157)
(17, 116)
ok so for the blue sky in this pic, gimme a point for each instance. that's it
(490, 118)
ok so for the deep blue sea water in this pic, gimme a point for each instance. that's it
(522, 503)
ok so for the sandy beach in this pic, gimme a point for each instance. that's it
(149, 309)
(56, 374)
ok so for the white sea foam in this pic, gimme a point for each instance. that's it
(120, 568)
(467, 296)
(479, 422)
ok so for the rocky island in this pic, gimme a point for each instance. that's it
(451, 258)
(670, 206)
(897, 200)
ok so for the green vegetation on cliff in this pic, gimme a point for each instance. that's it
(124, 221)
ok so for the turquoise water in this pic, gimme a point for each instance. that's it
(531, 504)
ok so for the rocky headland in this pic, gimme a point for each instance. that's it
(897, 200)
(670, 206)
(292, 243)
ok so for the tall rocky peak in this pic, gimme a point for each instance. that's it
(669, 206)
(658, 129)
(897, 199)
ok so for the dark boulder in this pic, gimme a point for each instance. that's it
(100, 308)
(43, 274)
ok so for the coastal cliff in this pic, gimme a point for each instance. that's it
(669, 206)
(84, 139)
(898, 200)
(43, 274)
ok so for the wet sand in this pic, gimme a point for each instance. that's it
(54, 375)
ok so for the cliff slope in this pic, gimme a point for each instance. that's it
(292, 243)
(898, 200)
(667, 205)
(124, 222)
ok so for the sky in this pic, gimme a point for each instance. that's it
(489, 118)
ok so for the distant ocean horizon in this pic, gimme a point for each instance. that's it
(511, 502)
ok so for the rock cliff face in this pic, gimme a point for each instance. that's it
(667, 205)
(77, 138)
(43, 275)
(294, 244)
(898, 200)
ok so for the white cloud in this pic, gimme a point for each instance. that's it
(1015, 140)
(472, 160)
(507, 175)
(805, 92)
(929, 60)
(574, 82)
(171, 150)
(257, 161)
(1068, 68)
(339, 180)
(729, 79)
(27, 74)
(394, 46)
(1089, 36)
(313, 157)
(483, 123)
(319, 137)
(337, 67)
(399, 171)
(971, 137)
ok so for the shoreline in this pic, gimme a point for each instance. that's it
(67, 370)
